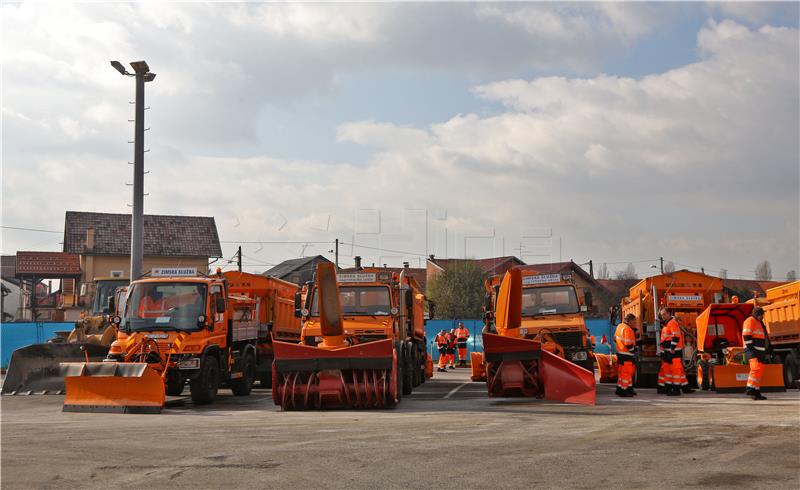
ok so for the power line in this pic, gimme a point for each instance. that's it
(30, 229)
(383, 249)
(272, 242)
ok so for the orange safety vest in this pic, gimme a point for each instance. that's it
(754, 336)
(672, 333)
(462, 334)
(441, 341)
(624, 340)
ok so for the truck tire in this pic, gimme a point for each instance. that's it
(265, 380)
(242, 386)
(790, 370)
(408, 372)
(588, 364)
(174, 383)
(204, 387)
(399, 352)
(415, 357)
(642, 380)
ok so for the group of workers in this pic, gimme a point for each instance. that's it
(671, 376)
(448, 344)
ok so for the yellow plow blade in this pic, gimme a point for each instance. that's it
(112, 387)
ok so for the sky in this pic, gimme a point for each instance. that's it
(611, 132)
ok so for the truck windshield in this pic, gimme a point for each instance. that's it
(549, 300)
(103, 291)
(359, 300)
(164, 306)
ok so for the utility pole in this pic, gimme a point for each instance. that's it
(591, 268)
(239, 258)
(142, 75)
(336, 256)
(661, 259)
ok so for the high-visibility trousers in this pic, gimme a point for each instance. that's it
(462, 351)
(756, 371)
(442, 357)
(625, 375)
(451, 355)
(678, 374)
(666, 369)
(662, 375)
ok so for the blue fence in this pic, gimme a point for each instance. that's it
(597, 327)
(19, 334)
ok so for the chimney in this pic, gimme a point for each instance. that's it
(405, 265)
(431, 257)
(357, 258)
(89, 239)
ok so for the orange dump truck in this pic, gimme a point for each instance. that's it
(782, 319)
(177, 327)
(363, 342)
(535, 341)
(685, 294)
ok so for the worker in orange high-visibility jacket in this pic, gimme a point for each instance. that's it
(462, 335)
(451, 348)
(756, 344)
(625, 342)
(672, 343)
(441, 344)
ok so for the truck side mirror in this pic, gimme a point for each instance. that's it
(220, 305)
(111, 304)
(431, 309)
(487, 303)
(587, 299)
(409, 298)
(298, 304)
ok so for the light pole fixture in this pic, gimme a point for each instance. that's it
(142, 74)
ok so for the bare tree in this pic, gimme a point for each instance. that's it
(791, 275)
(602, 272)
(723, 273)
(669, 267)
(628, 273)
(764, 271)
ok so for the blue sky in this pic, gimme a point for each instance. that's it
(629, 131)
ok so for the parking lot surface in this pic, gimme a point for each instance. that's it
(447, 434)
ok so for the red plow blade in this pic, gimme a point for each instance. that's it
(520, 368)
(359, 376)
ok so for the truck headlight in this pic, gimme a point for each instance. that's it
(579, 356)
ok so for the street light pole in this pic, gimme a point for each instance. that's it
(142, 75)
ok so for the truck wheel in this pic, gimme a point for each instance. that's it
(400, 370)
(242, 386)
(790, 370)
(265, 380)
(416, 370)
(408, 372)
(204, 387)
(588, 364)
(174, 383)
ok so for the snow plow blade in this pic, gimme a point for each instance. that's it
(521, 368)
(359, 376)
(112, 387)
(34, 369)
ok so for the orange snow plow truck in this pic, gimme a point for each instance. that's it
(528, 339)
(179, 326)
(363, 342)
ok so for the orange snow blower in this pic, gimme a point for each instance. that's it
(340, 371)
(520, 367)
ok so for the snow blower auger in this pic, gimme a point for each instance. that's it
(336, 373)
(520, 367)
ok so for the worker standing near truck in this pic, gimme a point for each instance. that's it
(441, 344)
(462, 335)
(451, 348)
(674, 376)
(625, 341)
(755, 350)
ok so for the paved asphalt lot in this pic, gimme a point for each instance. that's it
(448, 434)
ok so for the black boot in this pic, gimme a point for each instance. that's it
(630, 390)
(687, 389)
(674, 391)
(662, 390)
(756, 395)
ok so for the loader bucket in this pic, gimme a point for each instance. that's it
(361, 376)
(113, 387)
(34, 369)
(518, 367)
(607, 367)
(732, 378)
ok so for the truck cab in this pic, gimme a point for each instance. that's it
(551, 311)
